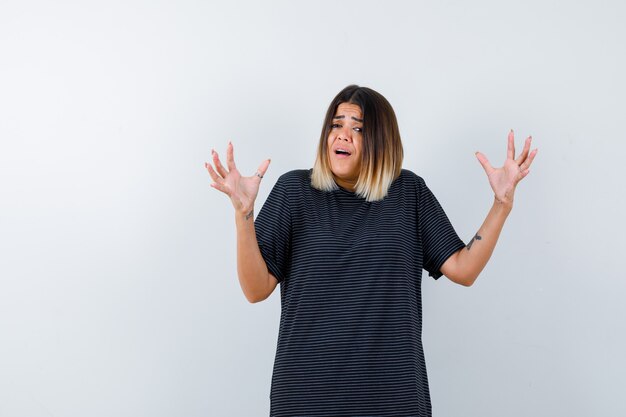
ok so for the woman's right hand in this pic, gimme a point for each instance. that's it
(241, 190)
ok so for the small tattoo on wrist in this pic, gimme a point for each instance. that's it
(476, 237)
(249, 214)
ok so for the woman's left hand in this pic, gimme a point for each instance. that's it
(503, 180)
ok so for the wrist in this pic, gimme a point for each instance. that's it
(504, 206)
(245, 213)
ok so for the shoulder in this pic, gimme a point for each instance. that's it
(295, 178)
(414, 183)
(287, 188)
(295, 175)
(410, 177)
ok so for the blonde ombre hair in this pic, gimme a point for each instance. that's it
(381, 159)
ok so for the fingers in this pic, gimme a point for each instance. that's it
(525, 151)
(263, 168)
(218, 182)
(484, 162)
(216, 178)
(230, 159)
(220, 187)
(510, 153)
(526, 164)
(218, 164)
(524, 173)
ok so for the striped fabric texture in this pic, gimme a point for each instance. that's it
(349, 341)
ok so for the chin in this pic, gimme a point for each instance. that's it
(344, 173)
(344, 176)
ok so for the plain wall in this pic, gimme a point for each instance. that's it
(118, 287)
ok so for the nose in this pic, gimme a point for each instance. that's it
(345, 134)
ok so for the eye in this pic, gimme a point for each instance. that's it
(358, 129)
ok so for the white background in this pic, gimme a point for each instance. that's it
(118, 286)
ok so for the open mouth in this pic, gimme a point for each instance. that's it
(342, 152)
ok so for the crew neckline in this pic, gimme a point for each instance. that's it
(344, 189)
(339, 187)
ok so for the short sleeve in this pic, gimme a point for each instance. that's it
(439, 239)
(273, 231)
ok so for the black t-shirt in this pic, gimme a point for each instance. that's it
(349, 341)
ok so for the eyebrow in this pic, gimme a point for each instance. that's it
(353, 118)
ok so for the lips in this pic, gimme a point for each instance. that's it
(342, 151)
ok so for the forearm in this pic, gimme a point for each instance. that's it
(251, 267)
(472, 259)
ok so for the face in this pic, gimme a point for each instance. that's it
(345, 142)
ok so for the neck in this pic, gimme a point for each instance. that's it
(346, 184)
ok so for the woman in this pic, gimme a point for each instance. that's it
(348, 240)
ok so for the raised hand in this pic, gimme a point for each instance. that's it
(241, 190)
(503, 180)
